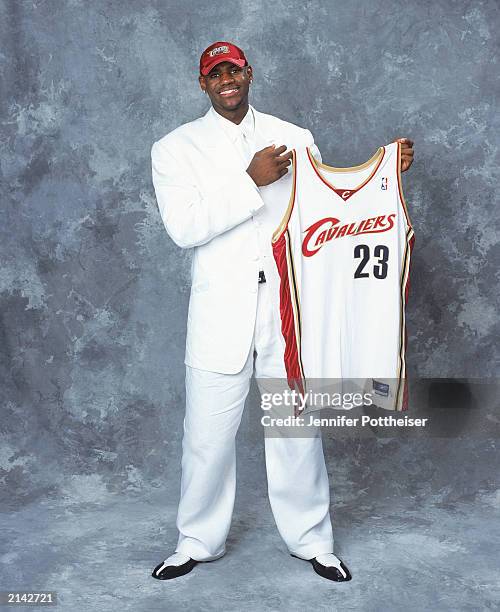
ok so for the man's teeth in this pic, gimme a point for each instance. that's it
(227, 91)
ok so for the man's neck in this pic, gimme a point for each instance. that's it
(236, 115)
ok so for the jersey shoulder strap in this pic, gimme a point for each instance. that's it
(280, 230)
(397, 163)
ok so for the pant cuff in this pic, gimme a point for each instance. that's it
(313, 550)
(197, 553)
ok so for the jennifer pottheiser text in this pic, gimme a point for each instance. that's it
(342, 421)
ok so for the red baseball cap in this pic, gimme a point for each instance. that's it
(218, 52)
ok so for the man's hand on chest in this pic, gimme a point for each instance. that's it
(269, 165)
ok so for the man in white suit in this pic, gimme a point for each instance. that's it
(222, 185)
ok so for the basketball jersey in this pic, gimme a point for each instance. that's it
(343, 251)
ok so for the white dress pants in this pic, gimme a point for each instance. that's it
(297, 478)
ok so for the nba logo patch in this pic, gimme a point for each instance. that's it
(383, 186)
(380, 388)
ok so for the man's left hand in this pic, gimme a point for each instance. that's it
(406, 153)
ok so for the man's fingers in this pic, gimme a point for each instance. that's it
(405, 140)
(284, 163)
(286, 157)
(279, 150)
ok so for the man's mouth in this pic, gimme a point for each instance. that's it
(228, 92)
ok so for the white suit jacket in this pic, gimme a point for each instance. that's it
(208, 202)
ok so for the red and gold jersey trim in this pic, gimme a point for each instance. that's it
(401, 398)
(288, 212)
(291, 324)
(345, 194)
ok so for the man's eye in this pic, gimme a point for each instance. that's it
(214, 75)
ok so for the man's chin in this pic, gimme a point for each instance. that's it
(230, 103)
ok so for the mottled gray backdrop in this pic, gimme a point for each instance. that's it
(93, 292)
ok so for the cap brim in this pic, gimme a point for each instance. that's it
(219, 60)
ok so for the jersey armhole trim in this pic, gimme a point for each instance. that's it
(400, 186)
(288, 212)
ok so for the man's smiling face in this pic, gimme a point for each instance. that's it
(227, 85)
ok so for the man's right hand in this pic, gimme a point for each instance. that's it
(269, 165)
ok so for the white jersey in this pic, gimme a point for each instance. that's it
(343, 253)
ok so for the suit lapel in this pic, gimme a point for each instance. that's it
(264, 130)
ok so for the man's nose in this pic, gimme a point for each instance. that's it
(227, 77)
